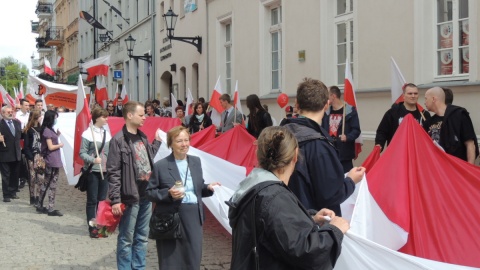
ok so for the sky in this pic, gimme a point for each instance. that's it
(16, 37)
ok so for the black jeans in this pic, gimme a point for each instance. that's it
(96, 191)
(10, 172)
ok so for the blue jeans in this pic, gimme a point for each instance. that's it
(133, 236)
(96, 192)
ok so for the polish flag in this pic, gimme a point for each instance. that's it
(97, 66)
(10, 100)
(82, 122)
(20, 91)
(398, 84)
(408, 207)
(236, 101)
(116, 96)
(3, 96)
(101, 95)
(189, 106)
(174, 105)
(60, 60)
(17, 98)
(124, 95)
(217, 108)
(48, 68)
(350, 99)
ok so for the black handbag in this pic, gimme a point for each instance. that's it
(83, 179)
(166, 225)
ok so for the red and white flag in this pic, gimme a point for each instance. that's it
(174, 105)
(10, 100)
(115, 100)
(3, 96)
(189, 107)
(217, 108)
(101, 95)
(398, 84)
(124, 94)
(350, 99)
(82, 122)
(236, 101)
(60, 60)
(47, 67)
(20, 91)
(97, 66)
(17, 98)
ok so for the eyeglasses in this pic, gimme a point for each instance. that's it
(109, 106)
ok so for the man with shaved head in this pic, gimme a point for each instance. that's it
(451, 126)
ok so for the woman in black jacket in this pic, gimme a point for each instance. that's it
(199, 120)
(267, 217)
(31, 148)
(259, 118)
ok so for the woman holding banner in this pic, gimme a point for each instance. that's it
(95, 140)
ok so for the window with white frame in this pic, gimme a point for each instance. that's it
(453, 55)
(276, 51)
(344, 37)
(228, 57)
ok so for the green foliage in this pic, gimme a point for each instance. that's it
(14, 73)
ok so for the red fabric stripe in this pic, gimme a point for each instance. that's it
(81, 124)
(348, 94)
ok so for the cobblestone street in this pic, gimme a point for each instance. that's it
(31, 241)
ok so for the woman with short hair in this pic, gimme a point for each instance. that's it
(184, 253)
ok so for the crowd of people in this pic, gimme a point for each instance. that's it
(287, 210)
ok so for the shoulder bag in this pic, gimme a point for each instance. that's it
(83, 180)
(166, 225)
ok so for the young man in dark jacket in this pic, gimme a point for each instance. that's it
(451, 126)
(129, 165)
(318, 180)
(333, 122)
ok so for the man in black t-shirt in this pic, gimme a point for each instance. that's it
(332, 121)
(394, 116)
(451, 126)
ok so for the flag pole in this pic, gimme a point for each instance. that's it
(96, 148)
(343, 120)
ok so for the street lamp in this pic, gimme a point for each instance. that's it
(130, 42)
(170, 21)
(80, 67)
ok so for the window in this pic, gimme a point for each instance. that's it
(276, 51)
(344, 37)
(452, 37)
(228, 57)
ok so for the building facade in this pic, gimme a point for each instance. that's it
(269, 46)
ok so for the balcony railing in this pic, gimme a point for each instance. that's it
(41, 45)
(54, 36)
(44, 10)
(34, 27)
